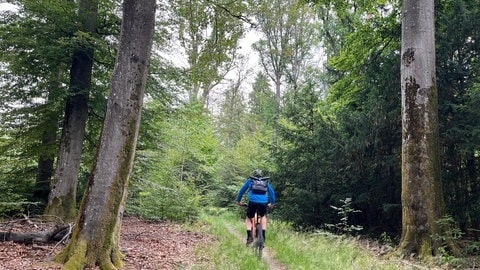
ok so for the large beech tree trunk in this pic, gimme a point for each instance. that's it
(62, 198)
(95, 239)
(422, 195)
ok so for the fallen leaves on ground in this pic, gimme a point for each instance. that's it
(146, 245)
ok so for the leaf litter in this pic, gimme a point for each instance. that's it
(145, 244)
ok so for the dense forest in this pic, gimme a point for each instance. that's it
(308, 91)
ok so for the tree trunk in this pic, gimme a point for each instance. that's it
(422, 195)
(45, 165)
(62, 199)
(46, 159)
(95, 238)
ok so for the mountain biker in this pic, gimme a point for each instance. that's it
(256, 200)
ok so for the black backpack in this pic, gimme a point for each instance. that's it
(259, 185)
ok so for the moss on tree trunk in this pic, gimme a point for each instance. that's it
(95, 240)
(422, 195)
(62, 199)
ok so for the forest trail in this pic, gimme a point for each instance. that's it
(273, 264)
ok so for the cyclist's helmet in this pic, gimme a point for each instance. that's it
(257, 173)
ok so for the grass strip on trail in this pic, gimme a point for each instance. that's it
(322, 251)
(292, 249)
(226, 251)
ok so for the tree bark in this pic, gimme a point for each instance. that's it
(95, 238)
(62, 198)
(422, 195)
(45, 164)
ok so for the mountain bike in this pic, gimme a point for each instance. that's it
(257, 232)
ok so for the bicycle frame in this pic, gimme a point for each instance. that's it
(257, 232)
(255, 220)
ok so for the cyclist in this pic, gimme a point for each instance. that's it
(260, 196)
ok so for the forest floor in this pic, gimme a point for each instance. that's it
(146, 245)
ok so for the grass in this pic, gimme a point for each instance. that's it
(321, 251)
(226, 251)
(293, 249)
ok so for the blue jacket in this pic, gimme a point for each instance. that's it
(257, 198)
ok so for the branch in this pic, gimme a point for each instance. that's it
(238, 16)
(31, 234)
(67, 235)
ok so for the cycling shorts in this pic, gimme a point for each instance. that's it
(253, 207)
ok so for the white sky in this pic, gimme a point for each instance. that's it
(7, 7)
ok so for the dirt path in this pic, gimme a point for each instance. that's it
(272, 263)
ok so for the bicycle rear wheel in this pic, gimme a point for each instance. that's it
(259, 243)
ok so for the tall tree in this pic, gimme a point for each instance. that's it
(38, 44)
(458, 55)
(232, 110)
(363, 97)
(305, 136)
(287, 37)
(95, 240)
(46, 159)
(262, 101)
(422, 195)
(35, 49)
(208, 34)
(62, 198)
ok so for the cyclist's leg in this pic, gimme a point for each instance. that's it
(264, 222)
(248, 221)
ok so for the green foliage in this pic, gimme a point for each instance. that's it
(245, 134)
(11, 203)
(36, 46)
(310, 145)
(208, 35)
(450, 232)
(175, 163)
(344, 211)
(235, 165)
(458, 71)
(320, 250)
(16, 181)
(473, 248)
(230, 122)
(156, 198)
(362, 49)
(262, 101)
(348, 144)
(33, 59)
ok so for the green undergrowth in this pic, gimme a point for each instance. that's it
(322, 251)
(292, 249)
